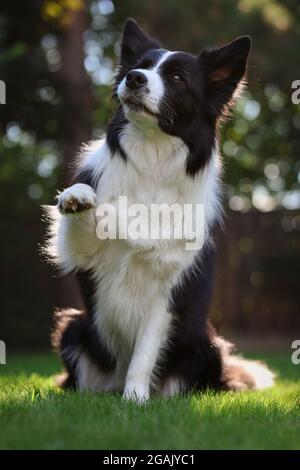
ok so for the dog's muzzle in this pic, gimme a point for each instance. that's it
(135, 80)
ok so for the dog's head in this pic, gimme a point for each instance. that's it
(184, 94)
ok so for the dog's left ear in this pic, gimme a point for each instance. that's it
(135, 43)
(224, 69)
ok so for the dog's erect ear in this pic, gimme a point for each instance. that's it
(224, 69)
(134, 43)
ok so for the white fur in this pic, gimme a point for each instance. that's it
(91, 379)
(173, 386)
(261, 375)
(152, 335)
(155, 86)
(78, 192)
(134, 278)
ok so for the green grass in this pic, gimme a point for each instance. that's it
(36, 415)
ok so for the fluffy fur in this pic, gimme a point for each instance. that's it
(145, 327)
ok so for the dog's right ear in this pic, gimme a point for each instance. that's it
(135, 43)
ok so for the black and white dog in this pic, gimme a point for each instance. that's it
(145, 328)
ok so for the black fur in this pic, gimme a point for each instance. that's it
(113, 133)
(134, 45)
(74, 333)
(85, 176)
(197, 102)
(199, 99)
(193, 356)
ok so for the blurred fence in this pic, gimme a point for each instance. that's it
(258, 272)
(256, 290)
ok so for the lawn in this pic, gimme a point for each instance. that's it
(36, 415)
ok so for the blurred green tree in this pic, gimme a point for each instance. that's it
(57, 59)
(47, 59)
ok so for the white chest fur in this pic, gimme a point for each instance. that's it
(134, 278)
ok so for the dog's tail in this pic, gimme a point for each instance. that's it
(243, 374)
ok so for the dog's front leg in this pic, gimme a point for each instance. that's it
(152, 336)
(75, 240)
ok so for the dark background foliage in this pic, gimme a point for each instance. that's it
(57, 60)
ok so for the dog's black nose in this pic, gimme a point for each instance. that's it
(136, 79)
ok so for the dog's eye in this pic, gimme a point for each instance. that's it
(177, 77)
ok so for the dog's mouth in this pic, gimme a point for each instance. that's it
(137, 106)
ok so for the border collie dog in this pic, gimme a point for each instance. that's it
(145, 327)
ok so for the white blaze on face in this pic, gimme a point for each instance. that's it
(153, 91)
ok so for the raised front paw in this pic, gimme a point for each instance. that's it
(79, 197)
